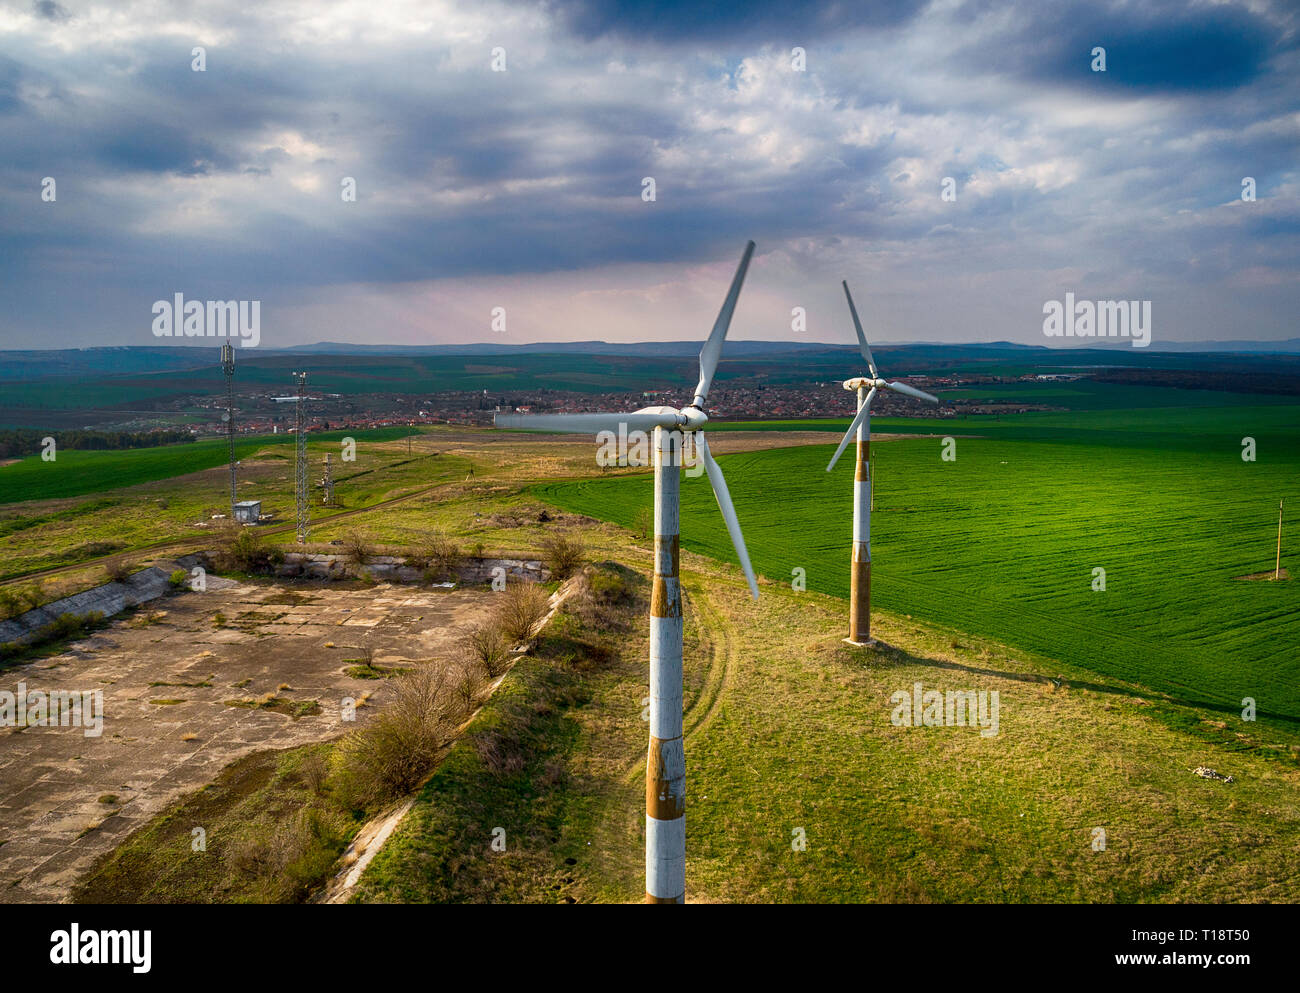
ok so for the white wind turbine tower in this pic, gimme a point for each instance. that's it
(860, 578)
(665, 845)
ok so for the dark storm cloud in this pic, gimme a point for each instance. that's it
(778, 21)
(226, 183)
(1174, 48)
(51, 11)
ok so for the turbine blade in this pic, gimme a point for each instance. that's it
(712, 349)
(863, 347)
(912, 391)
(723, 496)
(853, 429)
(584, 423)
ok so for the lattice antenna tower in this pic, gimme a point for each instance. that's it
(300, 462)
(228, 367)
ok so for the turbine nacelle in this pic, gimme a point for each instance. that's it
(870, 383)
(690, 419)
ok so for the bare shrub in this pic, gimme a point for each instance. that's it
(314, 771)
(117, 571)
(520, 609)
(489, 649)
(442, 557)
(564, 554)
(393, 754)
(245, 550)
(468, 681)
(356, 547)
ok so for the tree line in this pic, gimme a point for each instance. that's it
(19, 442)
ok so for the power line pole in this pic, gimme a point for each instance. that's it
(300, 462)
(329, 481)
(1277, 569)
(228, 367)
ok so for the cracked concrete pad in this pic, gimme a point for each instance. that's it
(53, 824)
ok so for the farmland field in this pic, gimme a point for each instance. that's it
(145, 496)
(1003, 541)
(74, 473)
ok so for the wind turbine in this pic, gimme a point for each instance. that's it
(665, 776)
(860, 578)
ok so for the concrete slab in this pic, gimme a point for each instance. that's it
(150, 753)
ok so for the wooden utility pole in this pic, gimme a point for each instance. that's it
(1277, 569)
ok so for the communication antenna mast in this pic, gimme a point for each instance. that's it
(228, 367)
(300, 462)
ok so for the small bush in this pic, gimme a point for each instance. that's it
(247, 551)
(468, 682)
(314, 771)
(521, 608)
(563, 554)
(442, 557)
(33, 594)
(356, 547)
(11, 604)
(489, 649)
(118, 571)
(63, 627)
(178, 579)
(392, 755)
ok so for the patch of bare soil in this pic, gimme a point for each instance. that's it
(262, 666)
(1283, 574)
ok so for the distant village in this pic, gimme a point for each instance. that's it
(276, 414)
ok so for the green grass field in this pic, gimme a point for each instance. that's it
(1003, 541)
(74, 473)
(152, 495)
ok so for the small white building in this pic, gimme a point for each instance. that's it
(248, 511)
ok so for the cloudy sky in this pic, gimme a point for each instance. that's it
(523, 188)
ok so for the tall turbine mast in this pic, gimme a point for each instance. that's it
(300, 460)
(228, 367)
(665, 775)
(866, 387)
